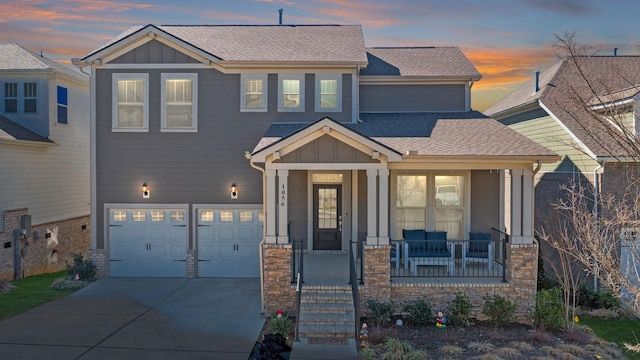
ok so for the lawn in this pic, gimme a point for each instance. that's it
(29, 293)
(619, 331)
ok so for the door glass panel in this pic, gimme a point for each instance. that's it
(226, 215)
(119, 215)
(177, 215)
(327, 178)
(246, 216)
(327, 208)
(139, 215)
(157, 216)
(206, 216)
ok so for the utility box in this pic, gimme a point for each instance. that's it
(25, 225)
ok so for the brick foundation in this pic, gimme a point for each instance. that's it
(47, 249)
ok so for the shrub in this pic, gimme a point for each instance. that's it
(549, 312)
(419, 312)
(396, 349)
(85, 269)
(272, 347)
(379, 311)
(498, 309)
(68, 283)
(607, 300)
(281, 325)
(460, 310)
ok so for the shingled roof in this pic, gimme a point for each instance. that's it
(14, 57)
(264, 43)
(433, 62)
(10, 130)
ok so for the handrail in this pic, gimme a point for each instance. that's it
(504, 240)
(299, 281)
(353, 280)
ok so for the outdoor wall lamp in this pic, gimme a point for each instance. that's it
(145, 191)
(234, 191)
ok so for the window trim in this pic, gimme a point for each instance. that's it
(25, 85)
(15, 86)
(194, 101)
(329, 76)
(115, 77)
(265, 92)
(290, 76)
(61, 105)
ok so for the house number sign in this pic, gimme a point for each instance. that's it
(283, 195)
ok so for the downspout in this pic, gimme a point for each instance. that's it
(596, 191)
(247, 155)
(535, 171)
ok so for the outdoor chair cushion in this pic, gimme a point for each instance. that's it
(478, 245)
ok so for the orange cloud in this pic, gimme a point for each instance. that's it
(370, 14)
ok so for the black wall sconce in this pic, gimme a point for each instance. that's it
(234, 191)
(145, 191)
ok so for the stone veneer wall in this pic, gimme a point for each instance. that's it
(100, 258)
(278, 291)
(191, 264)
(49, 247)
(522, 260)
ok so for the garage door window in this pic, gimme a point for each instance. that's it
(206, 216)
(119, 215)
(226, 216)
(260, 217)
(157, 216)
(139, 215)
(177, 216)
(246, 216)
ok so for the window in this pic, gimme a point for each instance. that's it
(11, 97)
(226, 216)
(157, 215)
(328, 92)
(253, 96)
(177, 215)
(62, 105)
(30, 97)
(119, 215)
(139, 215)
(206, 216)
(246, 216)
(130, 102)
(291, 92)
(179, 102)
(431, 202)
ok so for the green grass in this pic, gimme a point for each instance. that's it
(29, 293)
(619, 331)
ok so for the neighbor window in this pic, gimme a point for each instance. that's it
(291, 92)
(130, 102)
(328, 94)
(253, 96)
(11, 97)
(431, 202)
(30, 97)
(179, 102)
(62, 105)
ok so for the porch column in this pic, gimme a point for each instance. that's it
(527, 206)
(270, 221)
(283, 206)
(521, 206)
(383, 235)
(372, 204)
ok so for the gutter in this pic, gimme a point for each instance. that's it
(247, 155)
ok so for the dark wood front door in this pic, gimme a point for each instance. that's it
(327, 217)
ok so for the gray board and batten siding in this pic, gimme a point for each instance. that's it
(412, 98)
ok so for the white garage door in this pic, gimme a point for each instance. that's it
(148, 242)
(228, 242)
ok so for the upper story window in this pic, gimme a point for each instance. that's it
(130, 102)
(291, 92)
(62, 105)
(30, 97)
(328, 92)
(11, 97)
(179, 95)
(253, 96)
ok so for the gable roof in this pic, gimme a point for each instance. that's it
(14, 57)
(10, 130)
(260, 43)
(434, 62)
(567, 97)
(464, 135)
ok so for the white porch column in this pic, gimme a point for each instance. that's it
(372, 204)
(527, 206)
(383, 235)
(270, 216)
(283, 206)
(516, 206)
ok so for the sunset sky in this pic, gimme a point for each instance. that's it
(507, 40)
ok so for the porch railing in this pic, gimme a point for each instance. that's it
(296, 259)
(354, 282)
(297, 263)
(455, 258)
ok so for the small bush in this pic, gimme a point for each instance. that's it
(460, 310)
(281, 325)
(607, 300)
(419, 312)
(396, 349)
(549, 312)
(379, 311)
(69, 283)
(498, 309)
(273, 346)
(85, 269)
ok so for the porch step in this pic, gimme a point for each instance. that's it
(327, 312)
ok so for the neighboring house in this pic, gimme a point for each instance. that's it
(44, 157)
(557, 109)
(217, 146)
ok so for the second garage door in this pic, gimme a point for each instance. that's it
(228, 242)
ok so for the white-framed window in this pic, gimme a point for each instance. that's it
(431, 201)
(206, 216)
(253, 92)
(179, 96)
(177, 215)
(290, 92)
(328, 92)
(11, 97)
(30, 97)
(119, 215)
(130, 108)
(226, 216)
(139, 215)
(157, 215)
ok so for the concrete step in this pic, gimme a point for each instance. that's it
(327, 331)
(320, 307)
(314, 297)
(327, 318)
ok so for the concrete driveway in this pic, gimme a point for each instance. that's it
(141, 318)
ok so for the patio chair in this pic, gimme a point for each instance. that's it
(428, 248)
(479, 248)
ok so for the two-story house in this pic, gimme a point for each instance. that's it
(44, 162)
(217, 148)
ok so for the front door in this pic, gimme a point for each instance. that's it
(327, 217)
